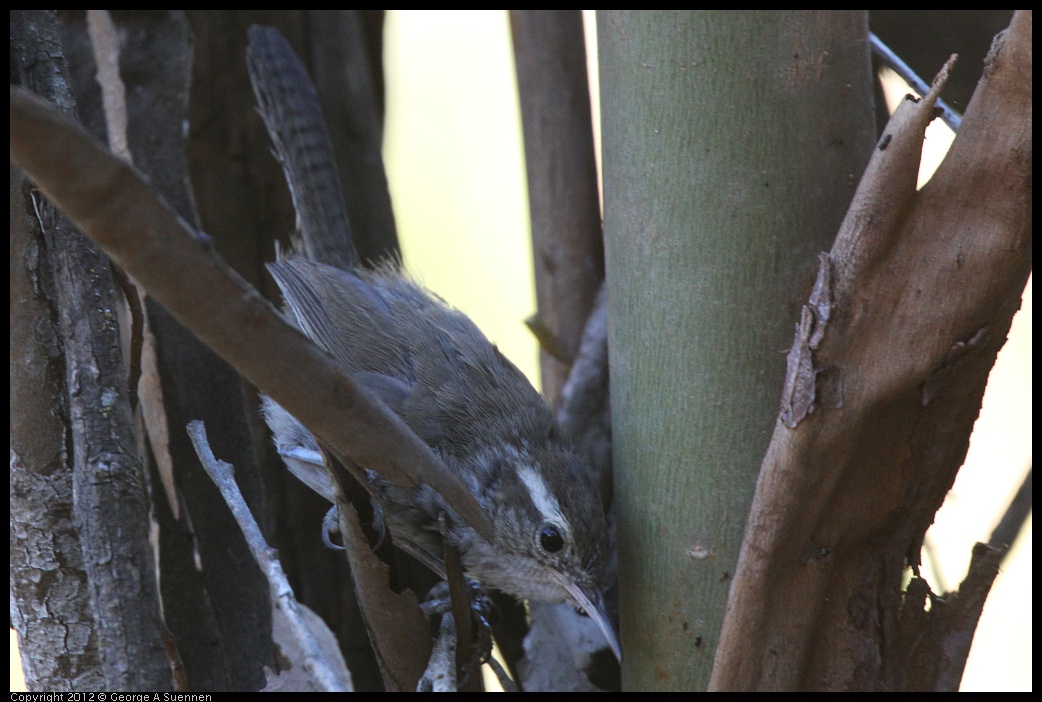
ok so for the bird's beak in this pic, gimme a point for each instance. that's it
(593, 604)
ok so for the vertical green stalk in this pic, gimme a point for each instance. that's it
(732, 146)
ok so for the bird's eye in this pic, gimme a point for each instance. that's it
(550, 538)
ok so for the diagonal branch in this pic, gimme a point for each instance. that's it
(117, 209)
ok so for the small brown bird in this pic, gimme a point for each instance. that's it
(434, 368)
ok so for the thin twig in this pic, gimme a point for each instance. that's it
(316, 663)
(950, 117)
(1012, 522)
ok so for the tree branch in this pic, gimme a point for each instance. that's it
(114, 206)
(923, 289)
(549, 51)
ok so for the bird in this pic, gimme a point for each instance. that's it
(433, 367)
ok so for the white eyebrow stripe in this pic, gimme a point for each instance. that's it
(542, 498)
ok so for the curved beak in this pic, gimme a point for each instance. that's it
(593, 604)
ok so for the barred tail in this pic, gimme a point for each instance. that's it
(289, 106)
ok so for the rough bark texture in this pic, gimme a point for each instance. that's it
(109, 499)
(214, 603)
(187, 381)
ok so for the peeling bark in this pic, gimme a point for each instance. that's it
(925, 287)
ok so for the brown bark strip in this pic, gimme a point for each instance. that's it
(568, 251)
